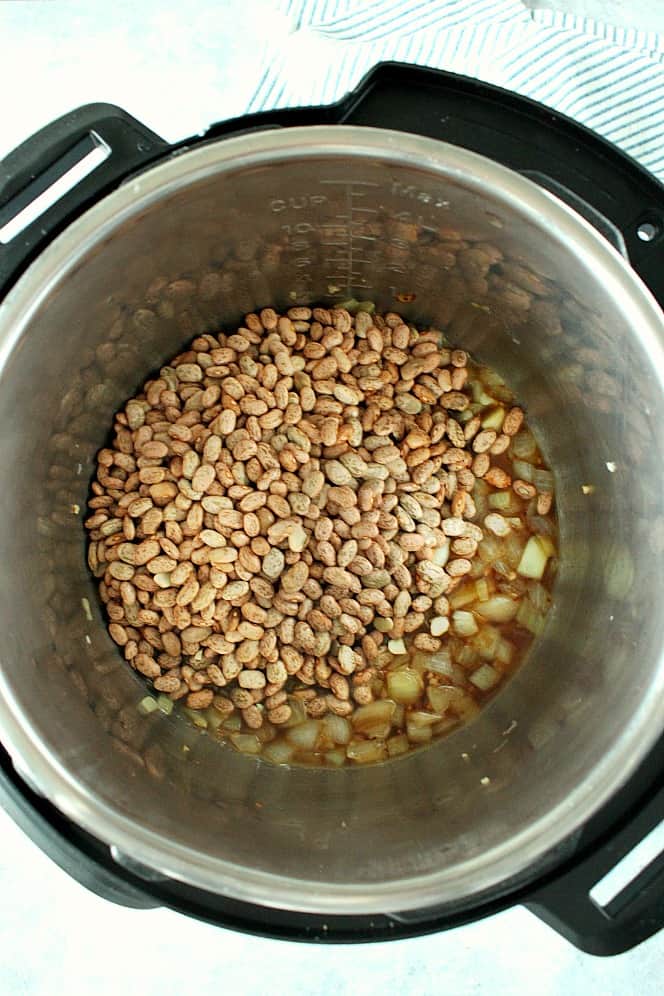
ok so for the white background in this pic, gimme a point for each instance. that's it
(178, 67)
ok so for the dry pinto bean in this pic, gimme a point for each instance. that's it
(290, 512)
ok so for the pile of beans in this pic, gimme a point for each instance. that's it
(284, 515)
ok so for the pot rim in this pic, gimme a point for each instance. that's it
(65, 790)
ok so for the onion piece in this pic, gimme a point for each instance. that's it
(336, 758)
(305, 735)
(246, 743)
(513, 546)
(232, 724)
(278, 753)
(465, 594)
(366, 751)
(197, 718)
(539, 596)
(466, 708)
(214, 719)
(404, 685)
(464, 623)
(419, 734)
(524, 445)
(445, 725)
(483, 589)
(498, 608)
(486, 642)
(505, 652)
(397, 745)
(337, 729)
(530, 619)
(298, 713)
(489, 549)
(534, 557)
(501, 501)
(524, 470)
(147, 705)
(485, 678)
(374, 720)
(441, 697)
(494, 418)
(165, 704)
(467, 656)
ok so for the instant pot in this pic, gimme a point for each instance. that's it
(531, 242)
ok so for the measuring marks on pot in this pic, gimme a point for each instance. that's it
(349, 240)
(340, 240)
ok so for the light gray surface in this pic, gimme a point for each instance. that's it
(647, 14)
(178, 68)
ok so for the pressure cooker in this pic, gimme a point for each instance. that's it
(563, 773)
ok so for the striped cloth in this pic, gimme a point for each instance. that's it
(609, 78)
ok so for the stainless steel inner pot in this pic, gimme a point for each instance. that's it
(320, 214)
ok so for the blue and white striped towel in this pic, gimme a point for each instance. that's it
(609, 78)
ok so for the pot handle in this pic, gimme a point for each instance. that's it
(599, 221)
(611, 925)
(54, 175)
(64, 843)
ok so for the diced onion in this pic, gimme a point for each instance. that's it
(441, 697)
(464, 623)
(498, 608)
(305, 735)
(214, 719)
(404, 685)
(490, 549)
(539, 596)
(373, 719)
(465, 594)
(366, 751)
(278, 753)
(530, 619)
(533, 560)
(336, 758)
(483, 589)
(494, 418)
(165, 704)
(396, 646)
(445, 725)
(501, 501)
(524, 470)
(466, 708)
(524, 445)
(485, 677)
(197, 718)
(232, 724)
(420, 734)
(246, 743)
(397, 745)
(298, 713)
(337, 728)
(466, 656)
(422, 718)
(505, 652)
(486, 642)
(147, 705)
